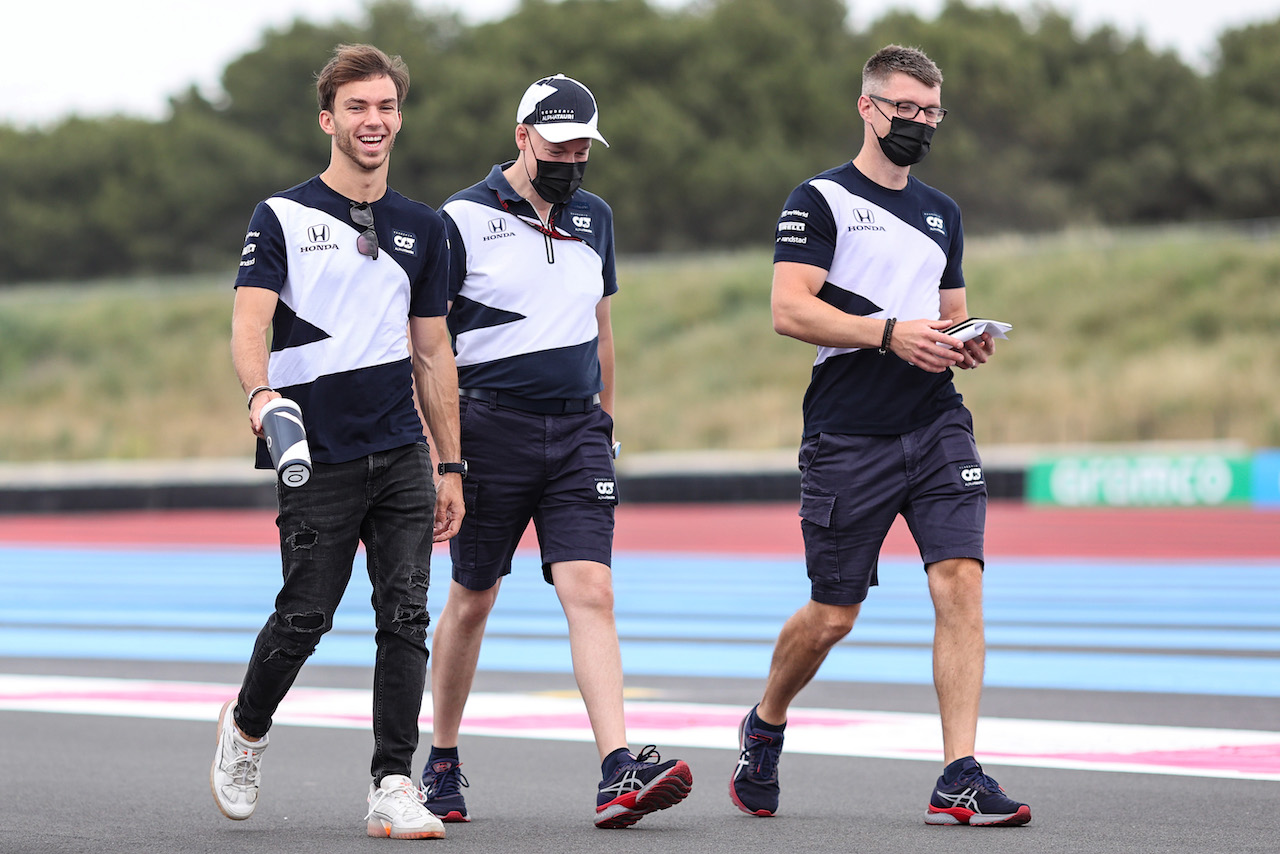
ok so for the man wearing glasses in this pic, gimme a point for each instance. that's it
(867, 266)
(531, 275)
(350, 279)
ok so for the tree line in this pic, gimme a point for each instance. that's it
(714, 112)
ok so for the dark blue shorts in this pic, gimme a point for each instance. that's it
(853, 487)
(554, 469)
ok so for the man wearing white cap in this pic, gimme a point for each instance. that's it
(531, 274)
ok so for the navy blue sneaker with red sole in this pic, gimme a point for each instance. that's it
(640, 786)
(754, 787)
(972, 798)
(442, 784)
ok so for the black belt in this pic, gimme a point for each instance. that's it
(538, 405)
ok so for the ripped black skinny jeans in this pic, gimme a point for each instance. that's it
(387, 501)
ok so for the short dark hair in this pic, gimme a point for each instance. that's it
(896, 59)
(351, 62)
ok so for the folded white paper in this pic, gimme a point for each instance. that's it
(967, 330)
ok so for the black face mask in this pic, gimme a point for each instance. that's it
(907, 142)
(556, 182)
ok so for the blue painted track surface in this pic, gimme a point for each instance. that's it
(1168, 627)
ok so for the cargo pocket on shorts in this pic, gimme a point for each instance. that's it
(817, 508)
(821, 557)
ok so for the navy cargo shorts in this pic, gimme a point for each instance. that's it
(853, 487)
(554, 469)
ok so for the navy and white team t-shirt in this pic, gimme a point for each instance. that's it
(339, 342)
(887, 253)
(523, 318)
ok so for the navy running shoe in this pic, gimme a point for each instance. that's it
(974, 799)
(754, 785)
(442, 784)
(641, 786)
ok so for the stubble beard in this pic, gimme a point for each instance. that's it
(351, 149)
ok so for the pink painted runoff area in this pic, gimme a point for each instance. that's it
(1191, 751)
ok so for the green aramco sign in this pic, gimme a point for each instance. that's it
(1141, 480)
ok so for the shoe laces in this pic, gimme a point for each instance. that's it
(762, 755)
(246, 767)
(448, 782)
(648, 755)
(404, 795)
(978, 780)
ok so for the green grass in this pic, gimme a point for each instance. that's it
(1118, 336)
(124, 370)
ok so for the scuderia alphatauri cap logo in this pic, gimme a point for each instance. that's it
(560, 109)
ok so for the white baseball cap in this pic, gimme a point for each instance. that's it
(560, 109)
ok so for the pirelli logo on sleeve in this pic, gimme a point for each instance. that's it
(792, 226)
(248, 255)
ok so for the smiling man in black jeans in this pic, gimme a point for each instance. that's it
(350, 278)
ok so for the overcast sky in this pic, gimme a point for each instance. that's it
(129, 56)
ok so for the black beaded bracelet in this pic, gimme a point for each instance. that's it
(888, 335)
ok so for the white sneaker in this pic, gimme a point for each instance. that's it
(396, 810)
(236, 768)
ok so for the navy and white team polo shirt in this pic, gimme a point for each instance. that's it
(523, 318)
(339, 343)
(887, 253)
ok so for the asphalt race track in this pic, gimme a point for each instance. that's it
(1133, 691)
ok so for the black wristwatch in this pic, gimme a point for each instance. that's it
(453, 468)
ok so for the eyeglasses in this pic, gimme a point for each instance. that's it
(908, 110)
(367, 242)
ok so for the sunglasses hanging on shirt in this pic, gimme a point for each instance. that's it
(367, 242)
